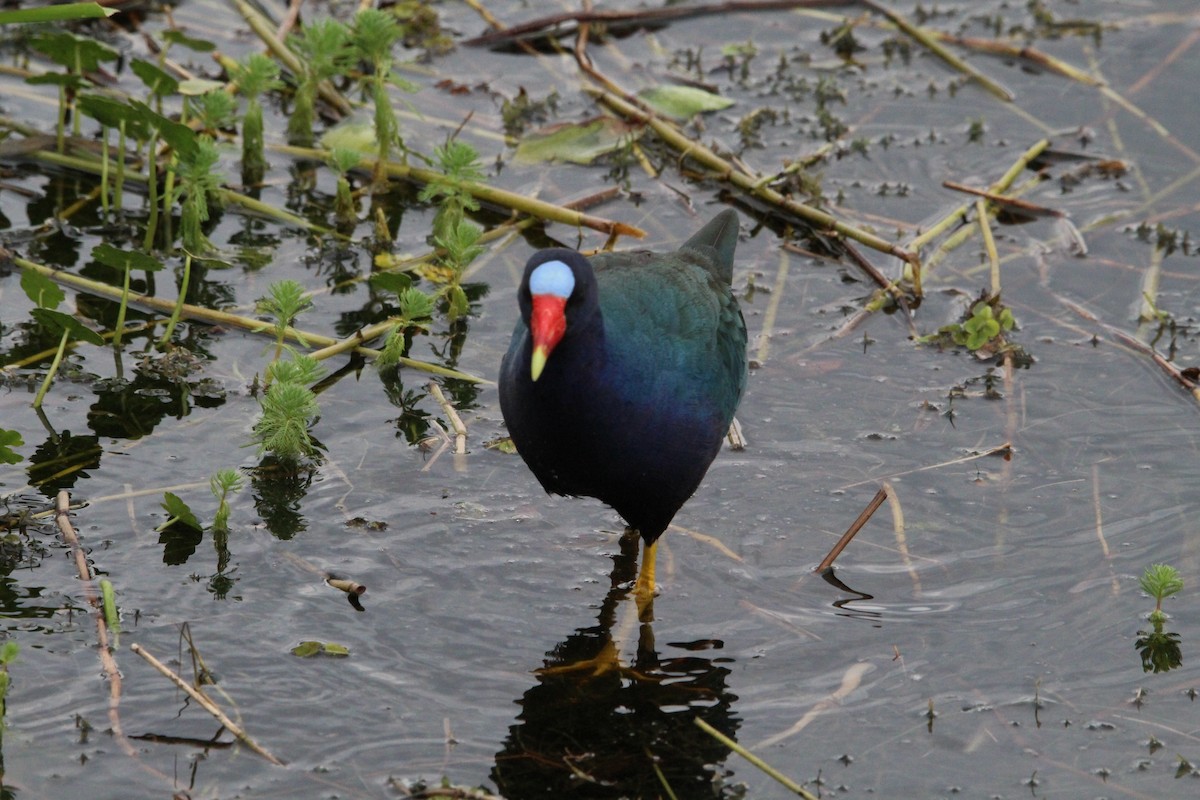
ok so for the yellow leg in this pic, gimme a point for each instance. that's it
(643, 591)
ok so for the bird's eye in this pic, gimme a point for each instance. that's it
(552, 277)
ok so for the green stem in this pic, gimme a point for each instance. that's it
(214, 316)
(152, 192)
(753, 759)
(119, 189)
(104, 170)
(62, 346)
(175, 312)
(121, 311)
(484, 193)
(61, 128)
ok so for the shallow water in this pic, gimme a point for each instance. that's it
(999, 592)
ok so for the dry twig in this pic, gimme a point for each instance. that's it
(207, 704)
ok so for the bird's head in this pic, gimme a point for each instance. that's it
(556, 282)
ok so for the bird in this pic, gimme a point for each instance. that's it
(623, 375)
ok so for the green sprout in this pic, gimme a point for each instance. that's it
(158, 82)
(459, 163)
(1160, 581)
(223, 484)
(180, 299)
(8, 654)
(185, 145)
(324, 49)
(284, 303)
(215, 111)
(1160, 650)
(199, 187)
(374, 35)
(456, 238)
(254, 76)
(289, 408)
(345, 210)
(416, 313)
(459, 246)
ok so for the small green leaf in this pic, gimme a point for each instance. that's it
(44, 292)
(120, 259)
(459, 307)
(354, 134)
(311, 649)
(578, 143)
(74, 52)
(158, 81)
(69, 11)
(9, 440)
(1161, 580)
(58, 321)
(504, 445)
(682, 102)
(395, 282)
(194, 87)
(196, 45)
(416, 305)
(307, 649)
(179, 512)
(111, 114)
(57, 79)
(109, 602)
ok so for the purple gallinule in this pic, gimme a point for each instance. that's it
(624, 373)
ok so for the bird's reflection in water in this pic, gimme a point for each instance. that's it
(593, 727)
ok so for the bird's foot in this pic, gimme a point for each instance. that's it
(644, 593)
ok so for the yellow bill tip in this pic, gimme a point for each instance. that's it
(538, 362)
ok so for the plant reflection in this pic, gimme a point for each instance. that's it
(1160, 650)
(61, 460)
(279, 485)
(161, 385)
(594, 728)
